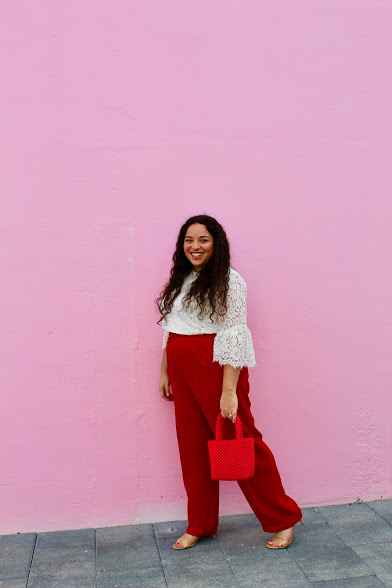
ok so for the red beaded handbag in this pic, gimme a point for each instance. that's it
(231, 459)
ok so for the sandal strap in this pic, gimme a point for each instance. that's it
(281, 541)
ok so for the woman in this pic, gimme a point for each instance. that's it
(207, 352)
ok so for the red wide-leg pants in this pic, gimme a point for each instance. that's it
(196, 383)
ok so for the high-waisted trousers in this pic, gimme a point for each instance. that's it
(196, 384)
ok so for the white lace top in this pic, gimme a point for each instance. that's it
(233, 342)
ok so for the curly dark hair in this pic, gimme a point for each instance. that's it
(209, 289)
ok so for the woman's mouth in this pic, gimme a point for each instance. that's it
(196, 255)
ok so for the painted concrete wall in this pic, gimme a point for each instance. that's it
(120, 119)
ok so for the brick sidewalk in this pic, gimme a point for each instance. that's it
(346, 546)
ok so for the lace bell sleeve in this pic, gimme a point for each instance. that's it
(233, 343)
(165, 338)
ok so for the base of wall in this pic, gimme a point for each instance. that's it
(232, 502)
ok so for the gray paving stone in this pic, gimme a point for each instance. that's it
(311, 515)
(15, 555)
(269, 569)
(320, 556)
(140, 578)
(357, 524)
(70, 567)
(226, 524)
(344, 511)
(17, 540)
(382, 508)
(363, 582)
(245, 542)
(379, 559)
(170, 529)
(241, 535)
(238, 521)
(328, 562)
(66, 539)
(193, 575)
(15, 583)
(316, 532)
(124, 548)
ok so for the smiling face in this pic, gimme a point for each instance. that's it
(198, 246)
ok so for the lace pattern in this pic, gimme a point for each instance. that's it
(234, 347)
(233, 342)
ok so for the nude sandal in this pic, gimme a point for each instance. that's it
(282, 543)
(186, 544)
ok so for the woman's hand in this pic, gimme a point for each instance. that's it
(164, 386)
(164, 382)
(229, 405)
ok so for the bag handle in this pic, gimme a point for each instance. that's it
(239, 433)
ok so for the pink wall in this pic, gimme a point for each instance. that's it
(120, 119)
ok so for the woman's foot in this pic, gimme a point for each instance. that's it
(281, 540)
(185, 541)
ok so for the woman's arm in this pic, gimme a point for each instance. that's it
(229, 400)
(233, 342)
(164, 383)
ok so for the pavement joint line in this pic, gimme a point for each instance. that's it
(336, 533)
(159, 551)
(233, 572)
(381, 517)
(64, 548)
(96, 558)
(228, 561)
(297, 564)
(31, 558)
(321, 515)
(351, 578)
